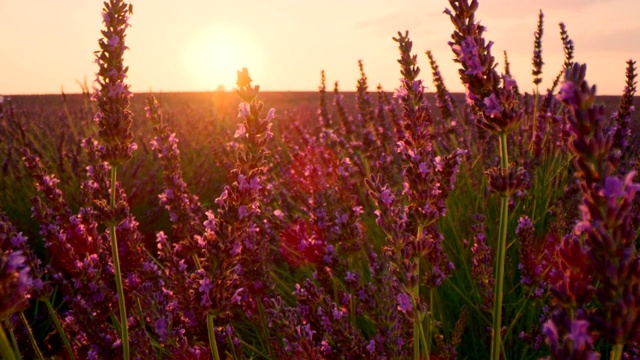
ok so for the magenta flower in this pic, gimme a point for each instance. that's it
(567, 93)
(492, 106)
(579, 335)
(404, 302)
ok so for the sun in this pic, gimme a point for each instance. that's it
(215, 54)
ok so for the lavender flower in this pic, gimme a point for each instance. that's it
(112, 94)
(404, 303)
(186, 213)
(114, 120)
(537, 257)
(537, 51)
(497, 106)
(444, 101)
(623, 115)
(13, 241)
(574, 343)
(567, 45)
(365, 107)
(605, 223)
(323, 112)
(482, 260)
(496, 103)
(384, 131)
(514, 180)
(15, 283)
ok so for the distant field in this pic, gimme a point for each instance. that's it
(224, 101)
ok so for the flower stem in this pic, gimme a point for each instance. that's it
(416, 339)
(14, 342)
(124, 331)
(420, 344)
(212, 337)
(496, 344)
(5, 348)
(424, 337)
(56, 322)
(34, 343)
(616, 353)
(265, 328)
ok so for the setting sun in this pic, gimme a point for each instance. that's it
(215, 53)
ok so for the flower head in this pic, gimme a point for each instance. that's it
(112, 93)
(404, 302)
(15, 283)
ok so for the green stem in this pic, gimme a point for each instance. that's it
(418, 329)
(14, 342)
(420, 344)
(196, 261)
(234, 356)
(417, 320)
(616, 353)
(31, 337)
(426, 334)
(245, 345)
(124, 331)
(501, 250)
(416, 339)
(140, 314)
(56, 322)
(212, 337)
(424, 338)
(265, 328)
(473, 305)
(5, 348)
(504, 153)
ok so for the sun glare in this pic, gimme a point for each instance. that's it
(215, 54)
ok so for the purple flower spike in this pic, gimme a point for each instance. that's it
(497, 107)
(15, 283)
(112, 93)
(606, 230)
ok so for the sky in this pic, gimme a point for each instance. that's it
(197, 45)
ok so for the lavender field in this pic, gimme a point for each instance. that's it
(406, 223)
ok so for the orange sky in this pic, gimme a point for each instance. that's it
(196, 45)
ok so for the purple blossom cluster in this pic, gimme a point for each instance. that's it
(622, 118)
(538, 260)
(603, 240)
(493, 96)
(482, 260)
(16, 281)
(112, 94)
